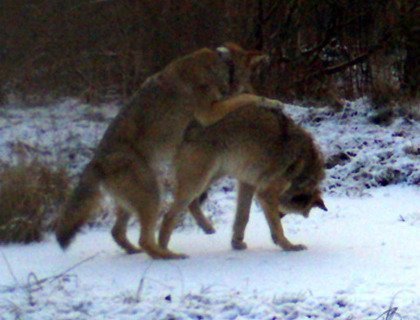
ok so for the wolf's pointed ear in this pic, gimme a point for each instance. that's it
(319, 203)
(224, 53)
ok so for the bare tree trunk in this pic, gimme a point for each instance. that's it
(411, 69)
(259, 26)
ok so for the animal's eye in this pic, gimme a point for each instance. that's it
(301, 199)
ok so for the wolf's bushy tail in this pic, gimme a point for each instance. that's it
(78, 208)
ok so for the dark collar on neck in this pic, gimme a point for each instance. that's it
(231, 70)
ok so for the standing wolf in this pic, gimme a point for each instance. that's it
(147, 131)
(266, 152)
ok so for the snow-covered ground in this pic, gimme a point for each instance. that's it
(363, 259)
(362, 262)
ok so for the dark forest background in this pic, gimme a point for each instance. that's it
(103, 50)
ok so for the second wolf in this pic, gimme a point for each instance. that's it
(266, 152)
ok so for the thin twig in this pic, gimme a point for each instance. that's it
(51, 279)
(141, 283)
(9, 268)
(60, 275)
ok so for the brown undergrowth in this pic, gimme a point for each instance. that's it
(30, 193)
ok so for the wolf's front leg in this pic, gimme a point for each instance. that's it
(269, 204)
(243, 206)
(214, 112)
(270, 103)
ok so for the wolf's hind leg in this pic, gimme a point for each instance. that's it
(198, 215)
(119, 231)
(170, 221)
(192, 181)
(135, 188)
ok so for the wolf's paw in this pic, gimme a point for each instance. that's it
(177, 256)
(133, 250)
(239, 245)
(294, 247)
(168, 255)
(209, 229)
